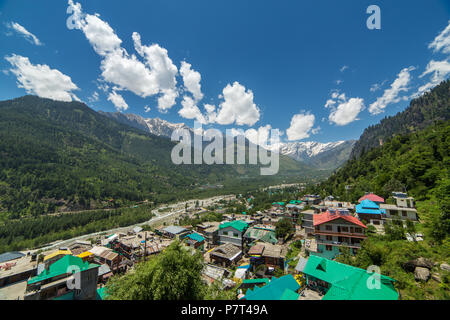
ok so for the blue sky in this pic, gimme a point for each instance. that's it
(311, 69)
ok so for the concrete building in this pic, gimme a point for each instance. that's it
(333, 230)
(226, 254)
(232, 232)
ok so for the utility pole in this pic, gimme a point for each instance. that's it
(145, 245)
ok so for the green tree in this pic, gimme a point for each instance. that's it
(283, 228)
(175, 274)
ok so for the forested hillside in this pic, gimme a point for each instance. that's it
(422, 112)
(65, 156)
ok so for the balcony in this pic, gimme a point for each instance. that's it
(340, 234)
(339, 244)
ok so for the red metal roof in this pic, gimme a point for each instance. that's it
(328, 216)
(372, 197)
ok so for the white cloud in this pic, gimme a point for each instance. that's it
(147, 109)
(338, 82)
(211, 113)
(439, 71)
(442, 41)
(343, 68)
(330, 103)
(94, 97)
(190, 110)
(41, 80)
(347, 111)
(238, 106)
(377, 86)
(118, 101)
(25, 33)
(391, 95)
(191, 80)
(301, 125)
(156, 74)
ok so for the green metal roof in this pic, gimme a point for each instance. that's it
(101, 293)
(62, 267)
(260, 234)
(295, 201)
(261, 280)
(196, 237)
(280, 203)
(237, 224)
(283, 288)
(348, 282)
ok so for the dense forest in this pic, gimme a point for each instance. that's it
(423, 111)
(60, 156)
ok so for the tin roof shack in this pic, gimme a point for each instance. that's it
(212, 273)
(175, 232)
(232, 232)
(107, 256)
(195, 240)
(68, 278)
(254, 234)
(226, 254)
(274, 255)
(338, 281)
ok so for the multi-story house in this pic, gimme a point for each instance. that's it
(232, 232)
(402, 209)
(307, 221)
(333, 230)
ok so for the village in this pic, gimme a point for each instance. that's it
(285, 252)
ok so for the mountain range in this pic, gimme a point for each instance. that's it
(328, 156)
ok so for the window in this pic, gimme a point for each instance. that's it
(328, 248)
(329, 238)
(235, 234)
(404, 213)
(328, 228)
(344, 229)
(358, 230)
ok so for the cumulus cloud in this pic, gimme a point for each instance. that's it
(238, 106)
(347, 111)
(191, 80)
(301, 125)
(25, 33)
(118, 101)
(190, 110)
(41, 80)
(391, 95)
(155, 75)
(442, 41)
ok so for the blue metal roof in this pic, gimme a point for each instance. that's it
(7, 256)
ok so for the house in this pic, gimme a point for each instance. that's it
(175, 232)
(372, 197)
(254, 234)
(107, 256)
(311, 199)
(333, 230)
(210, 231)
(307, 221)
(283, 288)
(395, 212)
(195, 240)
(69, 278)
(332, 204)
(338, 281)
(370, 212)
(274, 255)
(402, 209)
(226, 254)
(212, 273)
(232, 232)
